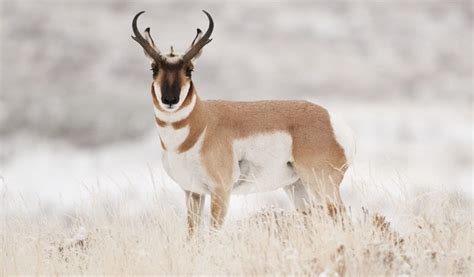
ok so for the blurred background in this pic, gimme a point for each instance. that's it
(75, 106)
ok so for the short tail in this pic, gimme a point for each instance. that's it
(345, 136)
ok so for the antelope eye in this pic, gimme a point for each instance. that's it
(155, 70)
(188, 71)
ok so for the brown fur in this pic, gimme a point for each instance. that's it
(196, 118)
(319, 160)
(186, 102)
(160, 122)
(315, 149)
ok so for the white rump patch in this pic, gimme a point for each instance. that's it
(344, 136)
(173, 115)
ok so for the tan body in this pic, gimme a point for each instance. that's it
(316, 161)
(222, 147)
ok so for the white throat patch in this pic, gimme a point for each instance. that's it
(175, 114)
(173, 138)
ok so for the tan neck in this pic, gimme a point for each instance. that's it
(195, 120)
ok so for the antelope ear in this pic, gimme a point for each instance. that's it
(149, 39)
(196, 39)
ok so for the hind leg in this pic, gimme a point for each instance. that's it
(299, 196)
(323, 189)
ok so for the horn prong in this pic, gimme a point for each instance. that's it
(198, 45)
(198, 34)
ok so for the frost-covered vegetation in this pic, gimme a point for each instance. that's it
(433, 235)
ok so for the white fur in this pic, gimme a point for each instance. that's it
(264, 163)
(263, 166)
(173, 59)
(172, 115)
(173, 138)
(187, 169)
(344, 136)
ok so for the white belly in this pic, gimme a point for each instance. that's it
(261, 163)
(264, 163)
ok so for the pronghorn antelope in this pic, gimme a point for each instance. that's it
(223, 147)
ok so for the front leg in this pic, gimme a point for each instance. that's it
(218, 160)
(194, 205)
(219, 205)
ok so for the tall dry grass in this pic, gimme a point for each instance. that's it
(432, 236)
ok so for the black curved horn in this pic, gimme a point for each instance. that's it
(142, 41)
(205, 39)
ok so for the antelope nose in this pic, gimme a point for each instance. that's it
(169, 100)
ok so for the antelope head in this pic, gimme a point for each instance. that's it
(172, 72)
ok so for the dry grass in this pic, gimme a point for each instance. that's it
(105, 237)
